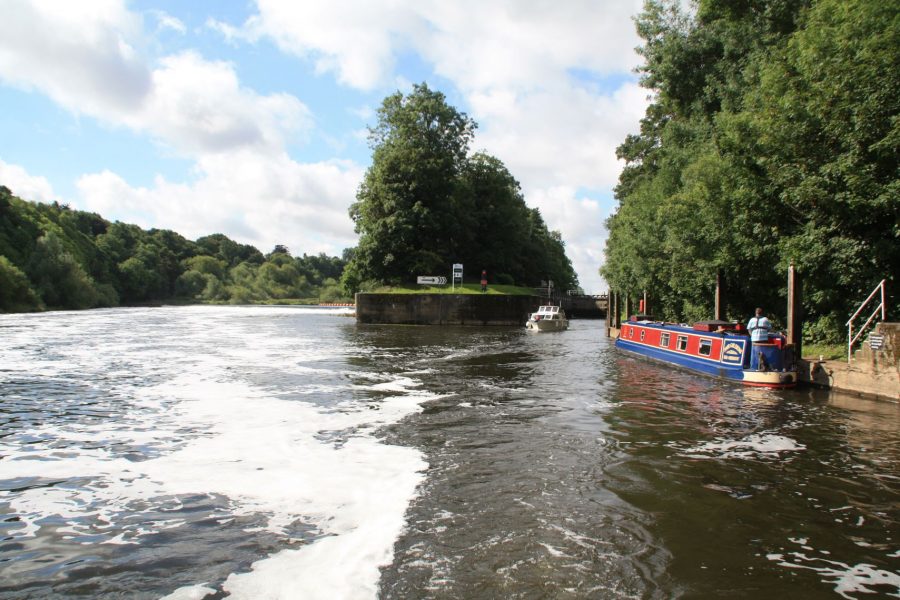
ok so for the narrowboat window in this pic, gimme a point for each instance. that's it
(682, 343)
(705, 347)
(631, 332)
(642, 334)
(664, 340)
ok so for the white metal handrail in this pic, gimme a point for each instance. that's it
(851, 339)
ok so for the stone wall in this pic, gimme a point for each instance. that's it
(871, 372)
(444, 309)
(584, 307)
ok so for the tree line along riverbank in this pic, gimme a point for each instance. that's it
(773, 137)
(55, 257)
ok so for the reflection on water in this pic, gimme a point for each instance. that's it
(284, 453)
(760, 493)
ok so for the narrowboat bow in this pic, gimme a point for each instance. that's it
(716, 348)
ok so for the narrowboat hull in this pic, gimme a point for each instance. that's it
(724, 355)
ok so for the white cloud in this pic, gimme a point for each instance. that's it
(581, 222)
(199, 107)
(25, 186)
(232, 34)
(256, 199)
(478, 45)
(245, 185)
(81, 55)
(166, 21)
(84, 58)
(525, 44)
(566, 136)
(357, 40)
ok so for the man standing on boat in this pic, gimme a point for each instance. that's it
(759, 327)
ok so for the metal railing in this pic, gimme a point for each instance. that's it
(851, 339)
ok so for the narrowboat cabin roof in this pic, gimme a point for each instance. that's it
(712, 326)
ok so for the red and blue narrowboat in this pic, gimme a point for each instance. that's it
(716, 348)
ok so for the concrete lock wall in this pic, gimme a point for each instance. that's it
(444, 309)
(871, 372)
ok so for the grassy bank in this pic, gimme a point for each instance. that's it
(826, 351)
(466, 288)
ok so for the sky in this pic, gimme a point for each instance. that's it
(250, 117)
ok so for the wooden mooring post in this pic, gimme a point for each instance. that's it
(609, 303)
(618, 317)
(794, 321)
(717, 313)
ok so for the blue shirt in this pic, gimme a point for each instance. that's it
(759, 329)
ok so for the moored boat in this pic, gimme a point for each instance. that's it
(547, 318)
(716, 348)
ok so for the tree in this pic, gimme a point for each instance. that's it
(59, 279)
(5, 199)
(207, 265)
(330, 291)
(425, 204)
(492, 221)
(190, 284)
(406, 197)
(232, 253)
(16, 294)
(772, 137)
(826, 117)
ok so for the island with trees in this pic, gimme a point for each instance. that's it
(426, 203)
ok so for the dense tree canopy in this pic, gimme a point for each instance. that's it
(773, 136)
(425, 204)
(54, 257)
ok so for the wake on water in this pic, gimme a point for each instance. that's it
(180, 418)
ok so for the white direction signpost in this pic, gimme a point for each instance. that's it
(429, 280)
(457, 274)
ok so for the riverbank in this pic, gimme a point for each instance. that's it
(175, 301)
(872, 371)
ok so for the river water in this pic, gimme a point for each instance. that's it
(276, 452)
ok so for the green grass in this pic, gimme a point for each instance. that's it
(826, 351)
(466, 288)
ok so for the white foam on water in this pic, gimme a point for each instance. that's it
(847, 579)
(757, 445)
(203, 431)
(190, 592)
(554, 551)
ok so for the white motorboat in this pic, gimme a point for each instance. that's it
(548, 318)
